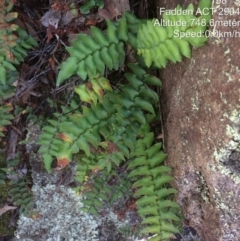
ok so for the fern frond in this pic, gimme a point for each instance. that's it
(159, 44)
(8, 90)
(21, 195)
(90, 54)
(13, 48)
(5, 117)
(84, 167)
(99, 194)
(152, 189)
(96, 194)
(111, 119)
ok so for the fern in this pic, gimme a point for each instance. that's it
(14, 43)
(7, 91)
(19, 191)
(93, 90)
(21, 195)
(84, 167)
(106, 158)
(152, 188)
(5, 117)
(117, 118)
(90, 54)
(158, 44)
(53, 142)
(89, 4)
(13, 48)
(98, 193)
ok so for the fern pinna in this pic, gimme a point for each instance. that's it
(14, 43)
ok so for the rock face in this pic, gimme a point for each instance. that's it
(201, 111)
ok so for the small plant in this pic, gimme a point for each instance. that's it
(13, 47)
(14, 43)
(19, 186)
(85, 8)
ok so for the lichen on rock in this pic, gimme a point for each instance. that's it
(59, 217)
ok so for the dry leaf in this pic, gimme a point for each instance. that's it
(95, 169)
(90, 22)
(114, 8)
(105, 14)
(62, 163)
(5, 209)
(64, 137)
(50, 29)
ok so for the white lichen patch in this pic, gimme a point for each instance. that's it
(223, 155)
(227, 51)
(206, 80)
(203, 188)
(226, 187)
(229, 77)
(195, 102)
(60, 217)
(228, 214)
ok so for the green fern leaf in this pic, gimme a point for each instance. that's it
(143, 170)
(140, 161)
(145, 105)
(148, 210)
(47, 159)
(159, 170)
(169, 216)
(145, 181)
(149, 190)
(69, 67)
(161, 180)
(152, 219)
(147, 200)
(83, 145)
(157, 159)
(153, 150)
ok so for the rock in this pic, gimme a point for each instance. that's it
(201, 111)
